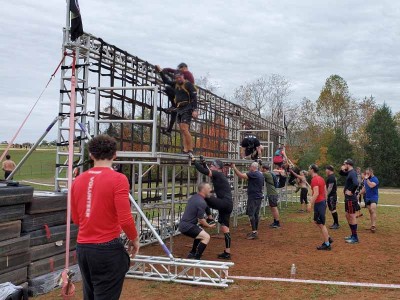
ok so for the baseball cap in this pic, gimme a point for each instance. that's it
(182, 65)
(265, 166)
(314, 167)
(217, 163)
(349, 162)
(330, 168)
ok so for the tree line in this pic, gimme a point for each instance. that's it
(332, 128)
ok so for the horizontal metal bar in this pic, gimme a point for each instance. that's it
(125, 121)
(102, 88)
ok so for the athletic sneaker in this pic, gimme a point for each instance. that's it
(252, 236)
(272, 224)
(166, 132)
(276, 225)
(210, 221)
(334, 226)
(224, 255)
(191, 255)
(352, 241)
(324, 247)
(191, 155)
(350, 237)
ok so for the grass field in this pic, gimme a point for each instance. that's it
(375, 259)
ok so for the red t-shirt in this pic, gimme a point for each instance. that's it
(320, 182)
(100, 206)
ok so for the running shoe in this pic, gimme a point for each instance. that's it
(166, 132)
(334, 226)
(272, 225)
(350, 237)
(373, 229)
(276, 225)
(224, 255)
(324, 247)
(252, 236)
(210, 221)
(352, 241)
(191, 255)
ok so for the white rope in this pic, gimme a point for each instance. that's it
(342, 283)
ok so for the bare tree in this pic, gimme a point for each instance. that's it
(267, 96)
(206, 83)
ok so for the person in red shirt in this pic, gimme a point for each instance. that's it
(100, 207)
(318, 200)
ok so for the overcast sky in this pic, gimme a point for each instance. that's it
(235, 41)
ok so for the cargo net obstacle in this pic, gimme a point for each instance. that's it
(121, 95)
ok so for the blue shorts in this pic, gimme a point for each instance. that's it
(319, 212)
(369, 202)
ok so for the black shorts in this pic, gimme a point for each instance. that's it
(332, 201)
(369, 202)
(193, 231)
(253, 207)
(273, 200)
(303, 195)
(184, 116)
(351, 205)
(319, 212)
(224, 207)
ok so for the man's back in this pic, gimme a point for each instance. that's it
(100, 205)
(332, 180)
(255, 184)
(8, 165)
(269, 179)
(221, 185)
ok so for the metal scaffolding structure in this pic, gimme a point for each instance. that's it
(121, 95)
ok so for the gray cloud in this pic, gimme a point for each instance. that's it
(235, 41)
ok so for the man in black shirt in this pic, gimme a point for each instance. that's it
(223, 202)
(331, 187)
(251, 147)
(254, 196)
(186, 107)
(194, 214)
(350, 199)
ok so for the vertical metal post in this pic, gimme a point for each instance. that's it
(171, 238)
(154, 135)
(139, 196)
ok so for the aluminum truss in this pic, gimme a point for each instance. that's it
(187, 271)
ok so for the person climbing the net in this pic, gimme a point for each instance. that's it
(251, 147)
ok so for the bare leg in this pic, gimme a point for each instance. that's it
(372, 212)
(187, 138)
(275, 213)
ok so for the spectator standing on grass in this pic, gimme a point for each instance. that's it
(272, 195)
(331, 187)
(371, 191)
(101, 209)
(302, 184)
(254, 196)
(318, 200)
(350, 199)
(8, 166)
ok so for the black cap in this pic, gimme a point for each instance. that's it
(217, 163)
(349, 162)
(330, 168)
(314, 167)
(182, 65)
(265, 166)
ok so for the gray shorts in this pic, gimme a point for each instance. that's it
(273, 200)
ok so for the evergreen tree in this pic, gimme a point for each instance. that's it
(383, 146)
(339, 148)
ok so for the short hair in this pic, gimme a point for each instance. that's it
(102, 147)
(330, 168)
(8, 156)
(201, 186)
(254, 164)
(349, 162)
(369, 169)
(314, 167)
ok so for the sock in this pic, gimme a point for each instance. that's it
(200, 250)
(351, 228)
(227, 240)
(195, 245)
(335, 218)
(354, 231)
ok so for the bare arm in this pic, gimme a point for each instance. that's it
(315, 195)
(330, 187)
(239, 174)
(204, 223)
(370, 183)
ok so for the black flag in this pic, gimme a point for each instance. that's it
(76, 20)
